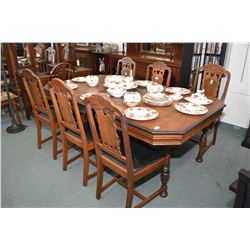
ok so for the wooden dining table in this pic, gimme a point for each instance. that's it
(171, 127)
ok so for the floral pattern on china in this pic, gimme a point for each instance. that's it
(199, 98)
(114, 79)
(117, 91)
(155, 88)
(178, 90)
(157, 99)
(141, 113)
(132, 99)
(191, 108)
(143, 83)
(92, 80)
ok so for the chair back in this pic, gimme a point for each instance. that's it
(66, 109)
(211, 80)
(36, 94)
(104, 118)
(125, 66)
(63, 71)
(156, 73)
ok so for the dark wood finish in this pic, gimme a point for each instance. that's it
(107, 142)
(142, 62)
(41, 109)
(62, 71)
(212, 75)
(156, 73)
(242, 189)
(71, 125)
(125, 66)
(175, 128)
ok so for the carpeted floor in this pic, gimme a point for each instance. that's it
(31, 178)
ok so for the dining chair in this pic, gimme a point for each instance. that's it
(125, 66)
(130, 159)
(43, 112)
(74, 128)
(62, 71)
(156, 73)
(211, 82)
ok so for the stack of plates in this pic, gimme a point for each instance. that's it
(157, 99)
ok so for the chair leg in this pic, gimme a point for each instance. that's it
(202, 145)
(85, 168)
(39, 134)
(99, 180)
(130, 194)
(65, 154)
(164, 179)
(216, 126)
(54, 135)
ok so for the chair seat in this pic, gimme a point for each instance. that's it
(143, 154)
(46, 116)
(4, 96)
(87, 132)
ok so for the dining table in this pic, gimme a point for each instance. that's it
(170, 127)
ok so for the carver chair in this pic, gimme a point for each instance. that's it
(74, 127)
(125, 66)
(43, 112)
(62, 71)
(129, 158)
(211, 82)
(156, 73)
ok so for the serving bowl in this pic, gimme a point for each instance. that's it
(92, 81)
(132, 99)
(117, 92)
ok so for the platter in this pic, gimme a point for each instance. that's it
(203, 101)
(143, 83)
(141, 113)
(178, 90)
(157, 99)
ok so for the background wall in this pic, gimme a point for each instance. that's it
(237, 100)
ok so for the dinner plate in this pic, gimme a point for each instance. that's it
(83, 96)
(141, 113)
(177, 90)
(79, 79)
(204, 101)
(143, 83)
(191, 108)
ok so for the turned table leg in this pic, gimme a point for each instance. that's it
(164, 179)
(202, 145)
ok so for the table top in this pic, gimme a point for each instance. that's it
(170, 127)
